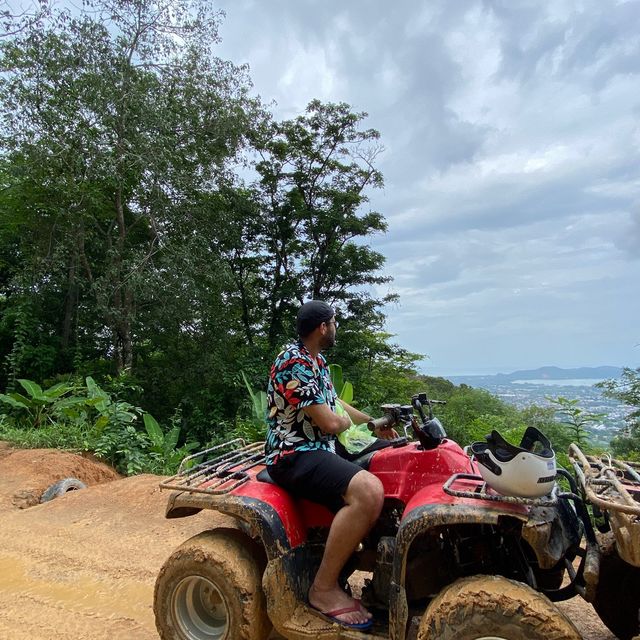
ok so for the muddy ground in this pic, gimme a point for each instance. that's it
(82, 567)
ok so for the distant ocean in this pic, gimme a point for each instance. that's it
(576, 382)
(523, 393)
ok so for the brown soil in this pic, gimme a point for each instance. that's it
(26, 473)
(83, 566)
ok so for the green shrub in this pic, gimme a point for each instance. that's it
(84, 417)
(164, 453)
(248, 430)
(253, 428)
(72, 436)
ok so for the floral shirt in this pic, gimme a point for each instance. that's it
(297, 380)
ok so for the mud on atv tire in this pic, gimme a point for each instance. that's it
(492, 606)
(61, 487)
(210, 588)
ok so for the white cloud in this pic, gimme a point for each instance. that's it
(309, 71)
(512, 162)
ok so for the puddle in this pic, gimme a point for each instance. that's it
(77, 594)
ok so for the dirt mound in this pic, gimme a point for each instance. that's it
(26, 473)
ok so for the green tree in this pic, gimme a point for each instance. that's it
(314, 173)
(468, 411)
(626, 389)
(129, 244)
(574, 418)
(118, 124)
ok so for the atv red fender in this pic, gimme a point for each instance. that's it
(412, 479)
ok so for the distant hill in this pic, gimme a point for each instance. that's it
(544, 373)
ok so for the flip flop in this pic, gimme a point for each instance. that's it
(358, 601)
(332, 616)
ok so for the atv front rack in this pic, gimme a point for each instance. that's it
(613, 486)
(478, 490)
(224, 472)
(610, 484)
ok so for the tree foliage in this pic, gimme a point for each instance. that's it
(131, 243)
(313, 174)
(114, 130)
(626, 389)
(575, 418)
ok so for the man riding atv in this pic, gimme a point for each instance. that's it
(302, 456)
(448, 554)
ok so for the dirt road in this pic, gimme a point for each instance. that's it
(82, 567)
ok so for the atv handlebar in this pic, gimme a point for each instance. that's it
(396, 414)
(387, 421)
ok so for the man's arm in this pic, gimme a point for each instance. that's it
(326, 420)
(355, 414)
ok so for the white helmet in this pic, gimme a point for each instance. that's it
(527, 471)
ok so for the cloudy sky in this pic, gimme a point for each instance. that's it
(512, 163)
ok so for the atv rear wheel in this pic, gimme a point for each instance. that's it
(494, 608)
(210, 588)
(617, 599)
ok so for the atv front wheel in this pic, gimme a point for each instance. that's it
(492, 607)
(210, 588)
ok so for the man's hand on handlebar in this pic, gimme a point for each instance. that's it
(385, 433)
(383, 427)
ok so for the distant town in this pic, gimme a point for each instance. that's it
(534, 386)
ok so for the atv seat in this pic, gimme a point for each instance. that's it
(362, 461)
(308, 514)
(365, 460)
(263, 476)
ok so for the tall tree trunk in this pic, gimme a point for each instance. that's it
(275, 319)
(123, 298)
(238, 274)
(70, 304)
(127, 340)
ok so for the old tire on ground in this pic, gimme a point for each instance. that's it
(210, 588)
(617, 600)
(493, 608)
(61, 487)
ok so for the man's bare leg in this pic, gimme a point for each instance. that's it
(364, 500)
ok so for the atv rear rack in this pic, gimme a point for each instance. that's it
(220, 474)
(481, 491)
(614, 487)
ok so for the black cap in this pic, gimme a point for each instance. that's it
(311, 315)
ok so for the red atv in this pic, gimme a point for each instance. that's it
(448, 558)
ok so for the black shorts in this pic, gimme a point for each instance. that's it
(319, 476)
